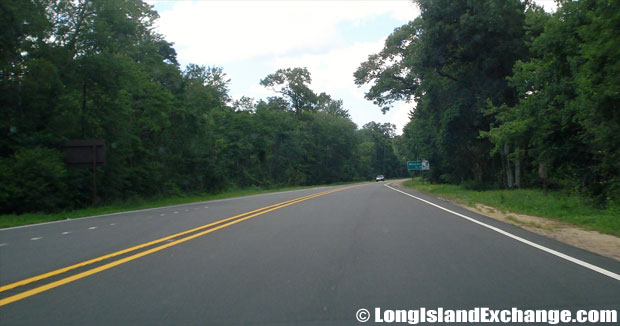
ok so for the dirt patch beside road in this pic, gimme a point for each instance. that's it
(602, 244)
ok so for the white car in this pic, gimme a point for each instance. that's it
(380, 177)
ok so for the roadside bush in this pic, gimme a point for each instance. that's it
(33, 179)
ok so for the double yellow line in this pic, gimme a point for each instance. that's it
(193, 233)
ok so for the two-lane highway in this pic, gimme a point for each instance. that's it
(313, 256)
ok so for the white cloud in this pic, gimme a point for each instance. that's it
(219, 32)
(281, 34)
(332, 72)
(334, 69)
(548, 5)
(255, 92)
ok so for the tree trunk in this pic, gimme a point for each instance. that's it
(509, 178)
(517, 169)
(542, 173)
(78, 27)
(83, 117)
(501, 159)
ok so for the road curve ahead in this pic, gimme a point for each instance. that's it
(313, 256)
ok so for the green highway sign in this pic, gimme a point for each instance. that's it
(418, 165)
(414, 165)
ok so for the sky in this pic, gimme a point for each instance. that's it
(251, 39)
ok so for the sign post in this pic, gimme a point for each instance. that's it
(85, 153)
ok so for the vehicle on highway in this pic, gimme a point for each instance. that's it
(380, 177)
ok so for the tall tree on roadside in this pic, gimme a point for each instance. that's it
(326, 104)
(567, 119)
(451, 61)
(293, 83)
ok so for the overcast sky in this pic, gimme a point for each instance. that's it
(251, 39)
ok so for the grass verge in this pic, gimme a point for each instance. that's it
(32, 218)
(554, 204)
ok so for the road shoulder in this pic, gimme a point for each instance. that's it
(593, 241)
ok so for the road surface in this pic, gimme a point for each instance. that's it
(313, 256)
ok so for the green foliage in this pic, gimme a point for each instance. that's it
(292, 83)
(507, 94)
(33, 179)
(96, 69)
(378, 151)
(566, 120)
(450, 60)
(326, 104)
(598, 95)
(554, 204)
(390, 71)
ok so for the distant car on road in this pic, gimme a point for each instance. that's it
(380, 177)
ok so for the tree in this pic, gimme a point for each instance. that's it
(377, 150)
(565, 123)
(451, 61)
(326, 104)
(391, 71)
(510, 133)
(210, 79)
(244, 104)
(598, 95)
(292, 83)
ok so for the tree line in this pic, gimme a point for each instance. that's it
(508, 95)
(98, 70)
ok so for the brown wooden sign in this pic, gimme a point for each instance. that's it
(84, 153)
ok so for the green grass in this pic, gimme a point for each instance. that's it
(556, 205)
(31, 218)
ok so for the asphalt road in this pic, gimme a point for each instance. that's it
(317, 260)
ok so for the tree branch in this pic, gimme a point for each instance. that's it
(442, 74)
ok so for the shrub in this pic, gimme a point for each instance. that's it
(33, 179)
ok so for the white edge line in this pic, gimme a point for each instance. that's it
(527, 242)
(161, 207)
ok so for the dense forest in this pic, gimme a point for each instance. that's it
(98, 70)
(508, 95)
(504, 95)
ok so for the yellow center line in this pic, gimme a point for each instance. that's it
(140, 246)
(95, 270)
